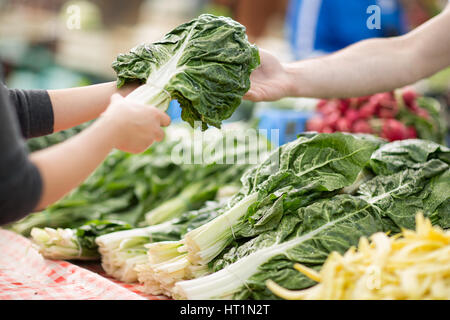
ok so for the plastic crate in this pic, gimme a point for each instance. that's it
(289, 123)
(174, 111)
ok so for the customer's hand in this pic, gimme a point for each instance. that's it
(270, 81)
(134, 126)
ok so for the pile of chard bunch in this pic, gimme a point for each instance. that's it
(391, 115)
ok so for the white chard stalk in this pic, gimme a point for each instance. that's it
(153, 91)
(122, 251)
(58, 244)
(163, 267)
(224, 283)
(206, 242)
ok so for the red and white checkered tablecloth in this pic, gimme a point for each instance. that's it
(25, 274)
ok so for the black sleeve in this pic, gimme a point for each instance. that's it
(20, 180)
(34, 110)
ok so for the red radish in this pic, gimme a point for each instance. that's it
(422, 113)
(352, 115)
(321, 104)
(355, 103)
(331, 119)
(361, 115)
(361, 126)
(331, 107)
(413, 106)
(327, 130)
(386, 113)
(394, 130)
(343, 125)
(344, 105)
(361, 100)
(368, 110)
(315, 124)
(409, 96)
(412, 133)
(381, 98)
(388, 110)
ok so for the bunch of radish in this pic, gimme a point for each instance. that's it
(378, 114)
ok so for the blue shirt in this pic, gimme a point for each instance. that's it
(316, 27)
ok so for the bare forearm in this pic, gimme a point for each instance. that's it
(125, 125)
(356, 71)
(376, 65)
(74, 106)
(66, 165)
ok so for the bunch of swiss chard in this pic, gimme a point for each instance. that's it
(78, 243)
(405, 177)
(314, 167)
(122, 252)
(312, 196)
(205, 64)
(398, 115)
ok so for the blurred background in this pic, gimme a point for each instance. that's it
(43, 46)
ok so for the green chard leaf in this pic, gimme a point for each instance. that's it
(205, 64)
(309, 169)
(404, 154)
(402, 195)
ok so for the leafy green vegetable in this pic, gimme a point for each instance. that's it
(403, 154)
(68, 244)
(306, 236)
(413, 175)
(217, 174)
(122, 251)
(123, 188)
(127, 186)
(294, 176)
(401, 195)
(416, 178)
(327, 225)
(205, 64)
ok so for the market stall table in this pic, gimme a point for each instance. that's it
(26, 274)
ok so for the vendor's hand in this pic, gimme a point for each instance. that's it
(270, 81)
(134, 126)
